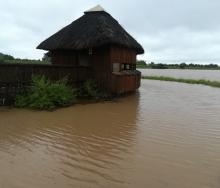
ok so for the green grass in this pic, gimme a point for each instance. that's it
(26, 61)
(183, 80)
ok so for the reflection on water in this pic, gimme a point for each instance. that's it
(178, 73)
(168, 135)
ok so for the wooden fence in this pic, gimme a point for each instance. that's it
(13, 77)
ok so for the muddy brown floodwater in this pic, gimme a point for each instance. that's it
(183, 73)
(165, 136)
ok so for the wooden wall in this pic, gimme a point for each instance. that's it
(101, 65)
(111, 54)
(122, 55)
(64, 57)
(125, 83)
(24, 72)
(13, 77)
(102, 60)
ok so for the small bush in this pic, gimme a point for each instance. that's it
(45, 94)
(90, 89)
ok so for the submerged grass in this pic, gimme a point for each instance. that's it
(183, 80)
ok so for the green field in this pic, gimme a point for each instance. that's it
(183, 80)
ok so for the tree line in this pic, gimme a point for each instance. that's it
(152, 65)
(5, 58)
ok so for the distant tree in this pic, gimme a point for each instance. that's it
(5, 57)
(141, 62)
(152, 65)
(47, 57)
(161, 66)
(183, 65)
(212, 66)
(158, 66)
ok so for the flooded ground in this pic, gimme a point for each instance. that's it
(178, 73)
(165, 136)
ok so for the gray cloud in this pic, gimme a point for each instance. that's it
(180, 30)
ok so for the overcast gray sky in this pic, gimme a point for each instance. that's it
(171, 30)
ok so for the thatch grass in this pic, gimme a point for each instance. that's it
(96, 29)
(183, 80)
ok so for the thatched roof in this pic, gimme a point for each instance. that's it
(95, 28)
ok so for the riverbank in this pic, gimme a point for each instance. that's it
(152, 65)
(177, 68)
(183, 80)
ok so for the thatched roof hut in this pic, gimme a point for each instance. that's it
(95, 28)
(98, 41)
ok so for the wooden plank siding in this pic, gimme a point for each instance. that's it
(122, 55)
(64, 57)
(124, 83)
(102, 60)
(13, 77)
(24, 72)
(99, 62)
(101, 67)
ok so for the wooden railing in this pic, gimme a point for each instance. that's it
(125, 82)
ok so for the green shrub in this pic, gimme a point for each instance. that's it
(46, 94)
(90, 89)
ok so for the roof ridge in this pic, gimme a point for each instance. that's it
(97, 8)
